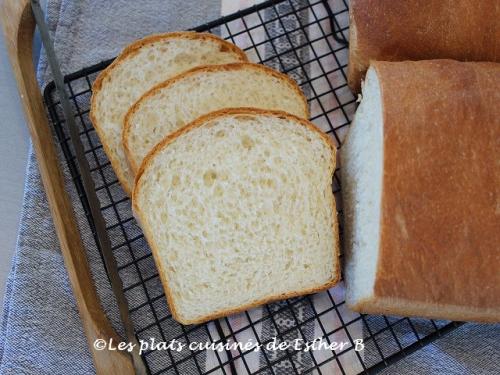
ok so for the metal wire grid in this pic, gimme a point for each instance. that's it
(294, 36)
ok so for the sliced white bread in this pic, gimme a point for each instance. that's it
(139, 67)
(420, 186)
(238, 210)
(175, 103)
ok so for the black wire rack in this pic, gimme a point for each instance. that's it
(307, 40)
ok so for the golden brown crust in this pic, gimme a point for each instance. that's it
(388, 30)
(130, 51)
(196, 124)
(439, 242)
(194, 71)
(401, 307)
(354, 70)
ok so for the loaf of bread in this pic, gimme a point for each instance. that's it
(174, 103)
(139, 67)
(238, 210)
(388, 30)
(420, 173)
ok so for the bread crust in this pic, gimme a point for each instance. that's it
(200, 70)
(401, 307)
(128, 52)
(439, 229)
(196, 124)
(388, 30)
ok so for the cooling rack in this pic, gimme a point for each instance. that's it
(307, 40)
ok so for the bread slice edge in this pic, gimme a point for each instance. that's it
(419, 309)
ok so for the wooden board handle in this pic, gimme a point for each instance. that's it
(18, 26)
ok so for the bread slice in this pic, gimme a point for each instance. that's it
(173, 104)
(139, 67)
(420, 187)
(238, 210)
